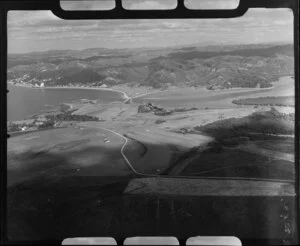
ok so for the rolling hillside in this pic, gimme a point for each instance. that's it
(226, 67)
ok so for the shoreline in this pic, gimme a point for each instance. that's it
(124, 94)
(139, 94)
(70, 105)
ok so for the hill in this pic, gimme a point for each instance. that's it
(226, 67)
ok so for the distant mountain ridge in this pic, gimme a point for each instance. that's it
(246, 66)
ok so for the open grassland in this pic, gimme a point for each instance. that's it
(202, 117)
(65, 152)
(157, 135)
(239, 163)
(162, 148)
(263, 123)
(151, 150)
(286, 146)
(258, 146)
(88, 149)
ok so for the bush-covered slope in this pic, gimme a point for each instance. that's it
(269, 122)
(243, 67)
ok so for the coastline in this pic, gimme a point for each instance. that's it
(124, 94)
(130, 93)
(70, 105)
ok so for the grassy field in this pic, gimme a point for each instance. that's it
(267, 122)
(287, 145)
(65, 152)
(161, 147)
(238, 163)
(236, 152)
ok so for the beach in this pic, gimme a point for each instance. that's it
(126, 91)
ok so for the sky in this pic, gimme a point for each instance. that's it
(41, 30)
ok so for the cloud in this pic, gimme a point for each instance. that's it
(30, 18)
(44, 29)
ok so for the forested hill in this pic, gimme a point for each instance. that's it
(214, 67)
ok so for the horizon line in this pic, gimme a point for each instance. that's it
(154, 47)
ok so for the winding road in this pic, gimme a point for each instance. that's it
(187, 177)
(122, 151)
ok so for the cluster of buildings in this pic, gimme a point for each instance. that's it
(28, 125)
(41, 85)
(25, 81)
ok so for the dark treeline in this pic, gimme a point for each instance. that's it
(270, 101)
